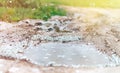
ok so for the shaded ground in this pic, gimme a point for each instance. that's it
(89, 25)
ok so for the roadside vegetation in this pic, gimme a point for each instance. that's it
(15, 10)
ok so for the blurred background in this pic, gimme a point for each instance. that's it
(15, 10)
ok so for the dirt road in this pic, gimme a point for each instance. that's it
(97, 26)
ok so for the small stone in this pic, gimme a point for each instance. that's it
(10, 44)
(50, 29)
(57, 29)
(63, 41)
(48, 24)
(51, 65)
(38, 23)
(21, 51)
(38, 28)
(27, 21)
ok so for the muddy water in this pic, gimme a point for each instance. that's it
(67, 54)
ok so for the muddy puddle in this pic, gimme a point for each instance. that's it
(68, 54)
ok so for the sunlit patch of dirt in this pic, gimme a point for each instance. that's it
(99, 26)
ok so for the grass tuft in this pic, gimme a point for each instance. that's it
(45, 12)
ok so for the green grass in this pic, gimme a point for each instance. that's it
(46, 12)
(14, 14)
(23, 9)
